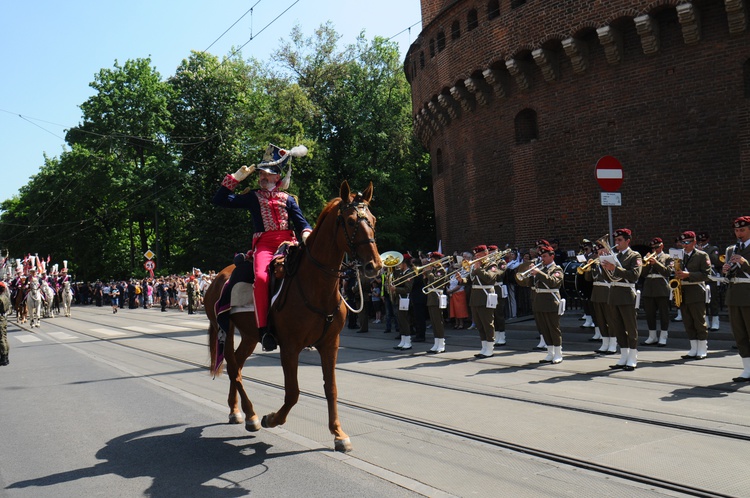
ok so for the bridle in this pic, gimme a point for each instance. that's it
(361, 207)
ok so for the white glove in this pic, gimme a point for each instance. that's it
(305, 235)
(243, 172)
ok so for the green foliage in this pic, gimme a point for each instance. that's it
(150, 153)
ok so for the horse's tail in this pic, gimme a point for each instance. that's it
(215, 362)
(209, 301)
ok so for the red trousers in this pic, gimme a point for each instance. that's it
(264, 248)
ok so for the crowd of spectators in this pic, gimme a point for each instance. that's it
(169, 292)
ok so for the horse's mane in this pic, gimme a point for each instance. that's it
(333, 203)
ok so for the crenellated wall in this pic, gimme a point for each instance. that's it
(522, 105)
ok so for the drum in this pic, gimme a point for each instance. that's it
(575, 285)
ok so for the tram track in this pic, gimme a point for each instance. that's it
(444, 429)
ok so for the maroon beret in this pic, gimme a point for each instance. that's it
(656, 242)
(546, 250)
(742, 221)
(687, 235)
(625, 233)
(480, 248)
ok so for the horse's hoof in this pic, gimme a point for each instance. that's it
(252, 425)
(342, 445)
(236, 418)
(264, 422)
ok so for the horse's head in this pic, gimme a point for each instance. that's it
(359, 229)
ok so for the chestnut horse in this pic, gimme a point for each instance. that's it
(308, 312)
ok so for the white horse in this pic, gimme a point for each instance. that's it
(34, 303)
(48, 300)
(67, 298)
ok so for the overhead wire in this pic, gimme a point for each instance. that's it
(202, 140)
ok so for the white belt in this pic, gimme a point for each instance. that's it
(623, 284)
(602, 284)
(739, 280)
(695, 283)
(483, 287)
(655, 275)
(547, 291)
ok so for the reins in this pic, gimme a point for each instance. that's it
(344, 268)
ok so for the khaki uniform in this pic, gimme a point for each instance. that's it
(500, 310)
(621, 312)
(483, 281)
(656, 291)
(600, 298)
(738, 301)
(693, 305)
(433, 302)
(712, 308)
(402, 290)
(5, 309)
(545, 304)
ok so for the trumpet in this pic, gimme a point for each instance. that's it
(526, 273)
(414, 272)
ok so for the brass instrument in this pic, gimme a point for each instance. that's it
(465, 269)
(440, 282)
(589, 264)
(492, 257)
(648, 257)
(523, 275)
(676, 284)
(392, 259)
(415, 271)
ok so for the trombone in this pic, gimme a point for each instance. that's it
(414, 272)
(589, 264)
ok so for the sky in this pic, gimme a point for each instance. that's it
(50, 52)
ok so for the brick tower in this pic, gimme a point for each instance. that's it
(516, 101)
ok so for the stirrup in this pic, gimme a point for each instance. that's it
(268, 341)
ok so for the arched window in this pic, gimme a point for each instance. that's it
(471, 20)
(746, 71)
(439, 161)
(526, 129)
(493, 9)
(432, 48)
(440, 41)
(455, 30)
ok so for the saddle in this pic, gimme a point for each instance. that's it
(237, 293)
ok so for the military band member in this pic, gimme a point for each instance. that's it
(737, 269)
(534, 257)
(545, 304)
(483, 276)
(432, 274)
(5, 308)
(712, 308)
(587, 250)
(622, 296)
(600, 303)
(693, 273)
(656, 292)
(500, 309)
(399, 292)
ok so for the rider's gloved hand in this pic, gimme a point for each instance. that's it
(243, 172)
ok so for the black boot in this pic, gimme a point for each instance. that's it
(267, 339)
(4, 360)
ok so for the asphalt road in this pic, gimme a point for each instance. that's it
(122, 405)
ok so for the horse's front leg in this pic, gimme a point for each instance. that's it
(328, 357)
(289, 364)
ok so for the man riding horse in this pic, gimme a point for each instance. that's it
(272, 211)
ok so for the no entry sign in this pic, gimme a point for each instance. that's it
(609, 173)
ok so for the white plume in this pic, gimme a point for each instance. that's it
(298, 151)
